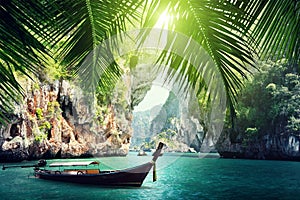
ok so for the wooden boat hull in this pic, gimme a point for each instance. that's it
(127, 177)
(73, 172)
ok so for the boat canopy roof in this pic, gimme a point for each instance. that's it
(68, 164)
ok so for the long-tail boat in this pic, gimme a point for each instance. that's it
(88, 172)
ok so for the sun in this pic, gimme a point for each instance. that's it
(163, 20)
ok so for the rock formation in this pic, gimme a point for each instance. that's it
(272, 147)
(173, 121)
(175, 115)
(58, 121)
(267, 124)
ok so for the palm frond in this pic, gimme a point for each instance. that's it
(84, 25)
(231, 32)
(219, 28)
(20, 46)
(277, 30)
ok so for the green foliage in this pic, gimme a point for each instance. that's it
(294, 125)
(148, 145)
(269, 103)
(53, 108)
(104, 94)
(250, 135)
(41, 125)
(56, 71)
(39, 113)
(169, 134)
(228, 30)
(40, 137)
(45, 126)
(38, 134)
(101, 112)
(168, 137)
(35, 86)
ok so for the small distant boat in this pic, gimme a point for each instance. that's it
(142, 153)
(88, 172)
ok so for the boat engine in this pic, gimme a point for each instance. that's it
(42, 163)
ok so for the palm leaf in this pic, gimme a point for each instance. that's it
(218, 26)
(20, 45)
(85, 25)
(27, 27)
(229, 31)
(233, 33)
(277, 30)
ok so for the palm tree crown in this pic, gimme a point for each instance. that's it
(234, 33)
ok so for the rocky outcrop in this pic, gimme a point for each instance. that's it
(149, 123)
(270, 147)
(141, 80)
(267, 121)
(59, 121)
(173, 123)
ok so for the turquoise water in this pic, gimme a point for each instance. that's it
(179, 177)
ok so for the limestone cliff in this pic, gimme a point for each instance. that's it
(271, 147)
(172, 122)
(58, 121)
(176, 115)
(267, 124)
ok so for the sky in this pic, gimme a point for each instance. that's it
(155, 96)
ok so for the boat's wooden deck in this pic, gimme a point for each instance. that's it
(87, 171)
(77, 171)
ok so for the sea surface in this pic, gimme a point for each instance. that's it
(179, 176)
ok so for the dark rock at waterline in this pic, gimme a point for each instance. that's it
(271, 147)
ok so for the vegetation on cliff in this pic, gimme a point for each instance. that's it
(232, 33)
(171, 124)
(268, 114)
(269, 103)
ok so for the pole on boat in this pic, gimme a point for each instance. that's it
(155, 156)
(158, 151)
(154, 172)
(41, 163)
(15, 166)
